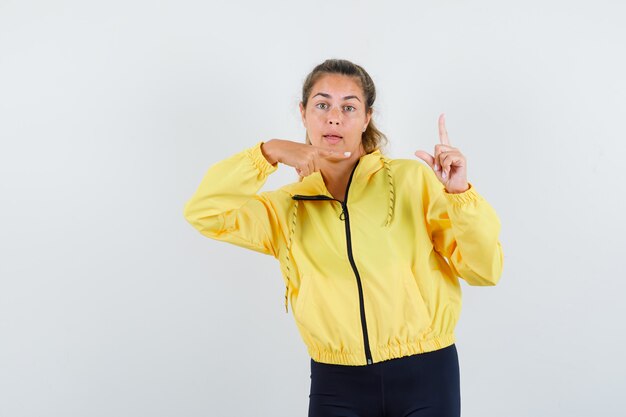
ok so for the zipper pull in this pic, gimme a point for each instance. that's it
(342, 216)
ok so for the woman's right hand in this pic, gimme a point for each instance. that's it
(301, 156)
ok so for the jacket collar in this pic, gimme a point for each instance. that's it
(313, 184)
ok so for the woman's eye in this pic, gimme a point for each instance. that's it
(324, 106)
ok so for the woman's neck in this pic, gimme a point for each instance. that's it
(337, 174)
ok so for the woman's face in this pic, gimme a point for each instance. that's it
(336, 107)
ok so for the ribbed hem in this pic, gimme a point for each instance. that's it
(382, 353)
(387, 352)
(466, 196)
(335, 357)
(259, 161)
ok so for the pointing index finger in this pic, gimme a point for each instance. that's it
(333, 154)
(443, 133)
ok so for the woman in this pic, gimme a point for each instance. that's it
(370, 248)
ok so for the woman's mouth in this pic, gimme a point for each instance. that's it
(332, 139)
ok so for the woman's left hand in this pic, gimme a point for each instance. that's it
(448, 163)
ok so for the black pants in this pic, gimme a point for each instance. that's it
(420, 385)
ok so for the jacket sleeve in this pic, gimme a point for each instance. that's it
(465, 229)
(226, 205)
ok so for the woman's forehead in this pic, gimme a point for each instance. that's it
(337, 86)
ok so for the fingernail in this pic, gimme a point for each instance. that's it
(347, 153)
(443, 174)
(436, 167)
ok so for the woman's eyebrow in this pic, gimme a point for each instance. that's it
(329, 96)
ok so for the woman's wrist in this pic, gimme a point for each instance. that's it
(268, 149)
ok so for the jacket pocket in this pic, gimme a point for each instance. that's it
(327, 311)
(305, 284)
(417, 309)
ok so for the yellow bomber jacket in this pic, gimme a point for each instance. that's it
(370, 279)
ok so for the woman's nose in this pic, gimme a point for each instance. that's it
(334, 116)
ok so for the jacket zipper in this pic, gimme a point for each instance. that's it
(345, 216)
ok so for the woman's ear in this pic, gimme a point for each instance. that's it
(368, 117)
(302, 111)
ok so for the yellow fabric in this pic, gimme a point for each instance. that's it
(411, 241)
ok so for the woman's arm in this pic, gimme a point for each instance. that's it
(464, 228)
(226, 205)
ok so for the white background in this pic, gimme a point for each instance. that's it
(111, 304)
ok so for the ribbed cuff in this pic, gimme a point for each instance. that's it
(259, 161)
(466, 196)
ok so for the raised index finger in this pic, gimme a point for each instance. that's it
(443, 133)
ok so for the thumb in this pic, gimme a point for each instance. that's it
(426, 157)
